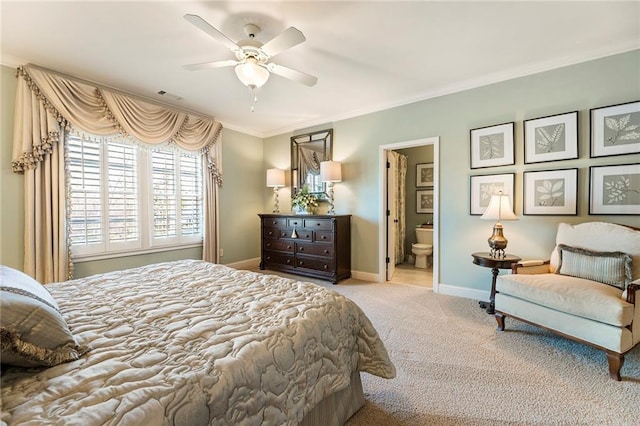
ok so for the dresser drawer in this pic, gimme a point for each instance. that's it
(271, 233)
(318, 224)
(325, 250)
(323, 236)
(302, 234)
(279, 245)
(275, 258)
(295, 222)
(315, 263)
(276, 222)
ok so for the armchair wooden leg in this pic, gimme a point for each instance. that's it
(500, 321)
(615, 364)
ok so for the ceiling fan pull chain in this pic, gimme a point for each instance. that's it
(255, 98)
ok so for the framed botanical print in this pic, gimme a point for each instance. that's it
(492, 146)
(484, 186)
(551, 192)
(424, 174)
(551, 138)
(614, 189)
(615, 130)
(424, 201)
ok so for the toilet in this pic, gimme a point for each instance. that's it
(423, 248)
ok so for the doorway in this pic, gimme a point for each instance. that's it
(387, 271)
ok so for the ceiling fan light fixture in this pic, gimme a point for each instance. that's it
(251, 74)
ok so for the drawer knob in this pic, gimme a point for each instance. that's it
(268, 257)
(270, 233)
(275, 222)
(326, 252)
(301, 248)
(324, 237)
(268, 244)
(301, 263)
(288, 247)
(326, 267)
(288, 261)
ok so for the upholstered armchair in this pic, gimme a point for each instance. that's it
(588, 291)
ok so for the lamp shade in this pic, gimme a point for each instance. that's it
(499, 208)
(330, 171)
(275, 178)
(251, 74)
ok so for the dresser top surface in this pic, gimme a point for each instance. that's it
(310, 216)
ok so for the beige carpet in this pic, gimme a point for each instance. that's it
(454, 368)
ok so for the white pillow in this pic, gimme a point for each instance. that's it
(33, 333)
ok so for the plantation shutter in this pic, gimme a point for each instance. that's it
(164, 194)
(191, 196)
(85, 191)
(123, 193)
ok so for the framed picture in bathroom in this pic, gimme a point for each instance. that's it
(424, 174)
(424, 201)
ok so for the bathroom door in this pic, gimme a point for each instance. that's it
(391, 215)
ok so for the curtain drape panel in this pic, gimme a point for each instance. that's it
(47, 105)
(400, 167)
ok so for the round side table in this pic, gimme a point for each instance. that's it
(495, 263)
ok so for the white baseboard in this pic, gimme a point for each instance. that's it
(365, 276)
(245, 264)
(467, 293)
(449, 290)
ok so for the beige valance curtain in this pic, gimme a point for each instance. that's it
(47, 105)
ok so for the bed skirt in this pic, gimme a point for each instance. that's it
(337, 408)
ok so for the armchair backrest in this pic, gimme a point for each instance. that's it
(599, 236)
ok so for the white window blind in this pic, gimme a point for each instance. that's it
(191, 199)
(83, 159)
(123, 193)
(124, 198)
(164, 194)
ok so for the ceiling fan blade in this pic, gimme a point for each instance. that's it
(211, 30)
(209, 65)
(292, 74)
(283, 41)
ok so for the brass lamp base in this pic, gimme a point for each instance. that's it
(497, 242)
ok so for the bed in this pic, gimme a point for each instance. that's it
(194, 343)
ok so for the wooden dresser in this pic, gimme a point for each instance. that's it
(316, 246)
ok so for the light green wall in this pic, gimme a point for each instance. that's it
(241, 196)
(11, 184)
(580, 87)
(592, 84)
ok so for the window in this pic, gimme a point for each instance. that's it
(124, 198)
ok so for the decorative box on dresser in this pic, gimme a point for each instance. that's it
(316, 246)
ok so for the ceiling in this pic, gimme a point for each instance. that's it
(367, 55)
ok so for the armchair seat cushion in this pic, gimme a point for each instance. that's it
(575, 296)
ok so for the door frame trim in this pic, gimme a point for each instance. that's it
(382, 225)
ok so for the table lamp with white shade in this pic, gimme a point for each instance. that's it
(331, 172)
(275, 180)
(499, 209)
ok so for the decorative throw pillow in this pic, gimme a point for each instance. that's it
(612, 268)
(32, 331)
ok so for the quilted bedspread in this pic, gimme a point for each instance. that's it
(193, 343)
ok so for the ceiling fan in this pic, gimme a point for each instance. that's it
(252, 63)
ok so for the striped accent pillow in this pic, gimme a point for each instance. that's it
(612, 268)
(33, 333)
